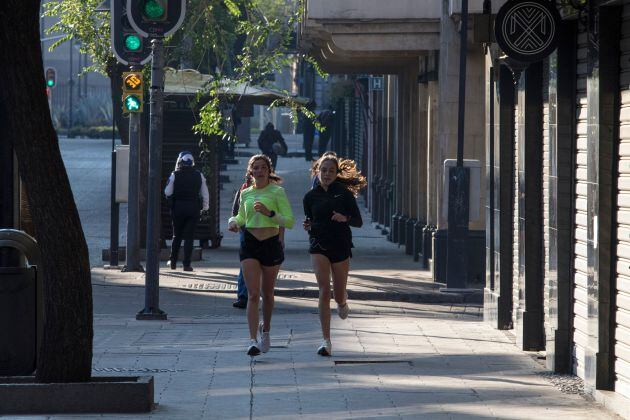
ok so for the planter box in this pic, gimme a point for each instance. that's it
(103, 394)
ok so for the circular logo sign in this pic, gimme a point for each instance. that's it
(527, 30)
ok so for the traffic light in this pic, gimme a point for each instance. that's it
(128, 46)
(51, 77)
(132, 99)
(132, 42)
(154, 10)
(156, 18)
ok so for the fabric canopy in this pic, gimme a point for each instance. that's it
(190, 82)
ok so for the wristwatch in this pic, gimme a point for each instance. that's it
(272, 213)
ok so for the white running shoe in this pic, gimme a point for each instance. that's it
(343, 310)
(265, 340)
(253, 349)
(325, 349)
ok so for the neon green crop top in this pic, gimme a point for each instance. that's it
(274, 198)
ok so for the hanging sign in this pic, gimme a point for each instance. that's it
(528, 30)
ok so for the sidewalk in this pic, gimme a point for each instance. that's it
(391, 358)
(380, 270)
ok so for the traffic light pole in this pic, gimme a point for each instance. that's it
(152, 276)
(133, 206)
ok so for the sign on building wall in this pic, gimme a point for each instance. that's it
(528, 30)
(376, 82)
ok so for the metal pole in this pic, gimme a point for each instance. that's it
(152, 292)
(114, 208)
(461, 106)
(70, 85)
(459, 182)
(133, 207)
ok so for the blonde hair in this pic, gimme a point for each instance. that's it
(347, 172)
(272, 175)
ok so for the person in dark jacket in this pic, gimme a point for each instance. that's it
(330, 209)
(327, 119)
(267, 143)
(189, 193)
(308, 131)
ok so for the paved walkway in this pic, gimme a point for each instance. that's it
(391, 359)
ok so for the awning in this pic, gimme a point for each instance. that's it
(190, 82)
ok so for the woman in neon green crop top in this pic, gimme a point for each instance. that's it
(263, 210)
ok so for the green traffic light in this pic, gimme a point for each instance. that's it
(132, 42)
(132, 103)
(153, 9)
(50, 83)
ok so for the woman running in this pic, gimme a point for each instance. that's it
(330, 209)
(263, 210)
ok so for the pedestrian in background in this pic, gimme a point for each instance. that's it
(308, 131)
(264, 208)
(326, 119)
(272, 144)
(330, 209)
(189, 195)
(241, 289)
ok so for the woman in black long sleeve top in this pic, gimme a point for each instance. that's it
(330, 209)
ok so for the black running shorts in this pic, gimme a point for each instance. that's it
(268, 252)
(335, 252)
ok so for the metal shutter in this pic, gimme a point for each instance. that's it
(580, 292)
(549, 273)
(622, 328)
(516, 263)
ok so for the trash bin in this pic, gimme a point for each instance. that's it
(21, 310)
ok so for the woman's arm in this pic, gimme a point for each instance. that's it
(284, 215)
(353, 211)
(240, 217)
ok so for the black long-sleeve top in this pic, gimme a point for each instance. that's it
(319, 205)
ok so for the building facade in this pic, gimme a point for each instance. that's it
(550, 234)
(557, 204)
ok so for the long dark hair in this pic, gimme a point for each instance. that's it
(347, 172)
(272, 175)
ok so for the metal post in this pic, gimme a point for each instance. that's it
(459, 181)
(152, 292)
(114, 208)
(133, 207)
(70, 88)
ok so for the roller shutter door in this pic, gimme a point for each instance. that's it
(516, 263)
(549, 272)
(580, 292)
(622, 327)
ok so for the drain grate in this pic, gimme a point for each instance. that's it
(372, 361)
(142, 370)
(210, 286)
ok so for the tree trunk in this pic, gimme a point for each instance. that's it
(115, 71)
(66, 351)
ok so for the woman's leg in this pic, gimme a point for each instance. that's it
(321, 267)
(252, 272)
(269, 275)
(340, 280)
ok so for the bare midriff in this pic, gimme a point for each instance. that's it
(263, 233)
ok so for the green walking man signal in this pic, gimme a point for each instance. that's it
(132, 99)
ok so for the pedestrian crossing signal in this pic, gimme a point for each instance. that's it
(132, 103)
(132, 82)
(132, 100)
